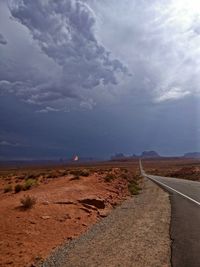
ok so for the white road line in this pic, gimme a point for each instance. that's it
(169, 187)
(183, 195)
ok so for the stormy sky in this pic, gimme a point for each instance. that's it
(94, 78)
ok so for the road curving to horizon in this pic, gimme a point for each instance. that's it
(185, 218)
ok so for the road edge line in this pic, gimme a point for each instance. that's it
(156, 181)
(183, 195)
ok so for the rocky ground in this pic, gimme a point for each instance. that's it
(68, 202)
(135, 234)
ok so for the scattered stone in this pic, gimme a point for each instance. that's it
(45, 217)
(64, 202)
(98, 203)
(86, 210)
(32, 222)
(90, 207)
(61, 220)
(9, 262)
(45, 202)
(64, 218)
(103, 213)
(67, 216)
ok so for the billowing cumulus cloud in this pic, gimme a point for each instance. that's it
(159, 40)
(2, 40)
(66, 60)
(65, 32)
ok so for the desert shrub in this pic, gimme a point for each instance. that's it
(80, 172)
(133, 188)
(49, 175)
(29, 183)
(125, 175)
(63, 172)
(18, 188)
(109, 177)
(84, 172)
(74, 172)
(28, 202)
(20, 177)
(7, 188)
(124, 171)
(31, 176)
(52, 174)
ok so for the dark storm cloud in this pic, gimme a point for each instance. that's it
(7, 143)
(65, 32)
(158, 40)
(2, 39)
(77, 98)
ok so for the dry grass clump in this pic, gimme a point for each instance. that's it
(124, 170)
(53, 174)
(110, 176)
(8, 188)
(29, 183)
(63, 172)
(80, 172)
(26, 186)
(27, 202)
(133, 188)
(31, 176)
(18, 188)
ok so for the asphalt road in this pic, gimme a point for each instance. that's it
(185, 219)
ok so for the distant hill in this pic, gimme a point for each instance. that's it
(118, 156)
(150, 154)
(193, 155)
(134, 156)
(145, 154)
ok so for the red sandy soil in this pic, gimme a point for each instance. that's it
(29, 236)
(175, 167)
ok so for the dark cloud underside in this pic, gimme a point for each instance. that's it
(98, 77)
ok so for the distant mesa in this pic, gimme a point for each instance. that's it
(145, 154)
(134, 156)
(150, 154)
(118, 156)
(192, 155)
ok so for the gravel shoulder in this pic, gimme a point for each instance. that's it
(136, 234)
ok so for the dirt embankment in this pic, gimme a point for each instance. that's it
(135, 234)
(67, 204)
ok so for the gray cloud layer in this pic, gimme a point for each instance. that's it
(78, 98)
(2, 39)
(160, 41)
(65, 32)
